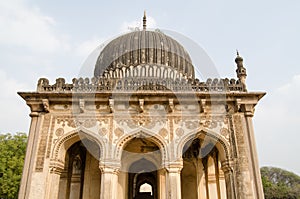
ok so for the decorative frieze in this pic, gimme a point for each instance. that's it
(75, 122)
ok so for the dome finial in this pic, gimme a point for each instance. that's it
(144, 21)
(237, 52)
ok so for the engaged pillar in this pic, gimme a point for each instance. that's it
(52, 190)
(227, 167)
(173, 180)
(109, 181)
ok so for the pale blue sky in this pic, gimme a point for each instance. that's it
(53, 38)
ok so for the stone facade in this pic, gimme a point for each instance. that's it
(132, 134)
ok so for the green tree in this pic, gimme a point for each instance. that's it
(12, 153)
(280, 184)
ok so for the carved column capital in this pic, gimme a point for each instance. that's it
(34, 114)
(248, 109)
(174, 167)
(227, 166)
(110, 170)
(109, 167)
(56, 166)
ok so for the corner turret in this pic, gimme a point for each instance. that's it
(241, 70)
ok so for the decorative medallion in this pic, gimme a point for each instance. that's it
(192, 124)
(59, 132)
(163, 132)
(179, 132)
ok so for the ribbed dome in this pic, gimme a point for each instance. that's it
(150, 48)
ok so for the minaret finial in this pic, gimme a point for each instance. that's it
(241, 70)
(144, 21)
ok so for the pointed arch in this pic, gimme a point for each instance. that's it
(219, 142)
(67, 140)
(155, 138)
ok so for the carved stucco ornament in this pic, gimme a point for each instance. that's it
(89, 123)
(102, 131)
(74, 123)
(211, 124)
(225, 133)
(119, 132)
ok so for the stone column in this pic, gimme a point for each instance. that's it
(211, 178)
(162, 183)
(201, 187)
(227, 167)
(53, 179)
(174, 180)
(109, 181)
(253, 163)
(30, 155)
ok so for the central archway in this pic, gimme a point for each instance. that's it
(141, 160)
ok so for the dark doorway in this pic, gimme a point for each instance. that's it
(142, 180)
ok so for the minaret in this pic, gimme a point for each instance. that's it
(241, 70)
(144, 21)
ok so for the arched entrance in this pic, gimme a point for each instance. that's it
(81, 177)
(201, 176)
(141, 159)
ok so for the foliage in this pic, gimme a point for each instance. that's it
(12, 153)
(280, 184)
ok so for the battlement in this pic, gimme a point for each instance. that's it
(133, 84)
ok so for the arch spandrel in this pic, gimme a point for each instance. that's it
(67, 140)
(220, 143)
